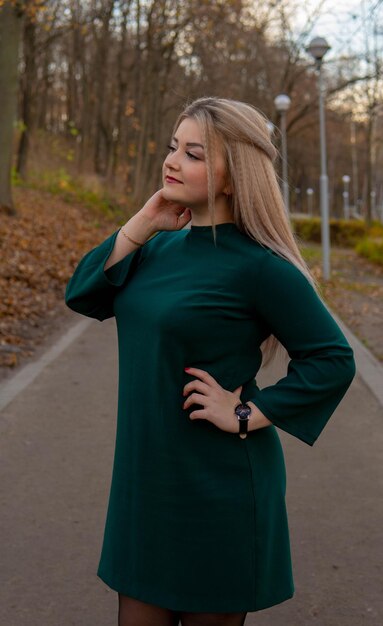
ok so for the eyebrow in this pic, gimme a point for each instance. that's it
(190, 144)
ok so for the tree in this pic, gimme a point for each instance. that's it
(10, 32)
(12, 17)
(27, 93)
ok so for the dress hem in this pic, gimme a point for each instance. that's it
(248, 608)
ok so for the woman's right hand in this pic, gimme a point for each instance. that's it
(157, 214)
(165, 214)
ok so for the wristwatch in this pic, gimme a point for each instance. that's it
(243, 412)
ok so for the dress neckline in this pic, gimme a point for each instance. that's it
(223, 226)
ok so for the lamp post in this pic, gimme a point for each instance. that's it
(346, 198)
(318, 48)
(282, 104)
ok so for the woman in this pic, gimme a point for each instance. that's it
(196, 527)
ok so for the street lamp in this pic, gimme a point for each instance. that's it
(318, 48)
(346, 203)
(282, 104)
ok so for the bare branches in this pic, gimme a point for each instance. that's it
(110, 75)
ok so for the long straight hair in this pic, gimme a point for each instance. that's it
(256, 200)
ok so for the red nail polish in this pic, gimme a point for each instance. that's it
(187, 368)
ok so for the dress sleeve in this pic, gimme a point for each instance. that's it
(322, 364)
(91, 289)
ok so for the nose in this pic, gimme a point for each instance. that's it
(171, 161)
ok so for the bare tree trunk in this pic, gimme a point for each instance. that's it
(29, 80)
(85, 129)
(355, 170)
(122, 86)
(10, 33)
(369, 131)
(102, 144)
(44, 91)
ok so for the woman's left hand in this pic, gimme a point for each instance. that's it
(218, 403)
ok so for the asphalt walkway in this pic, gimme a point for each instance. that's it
(57, 426)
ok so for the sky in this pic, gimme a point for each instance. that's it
(341, 23)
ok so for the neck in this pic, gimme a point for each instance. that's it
(223, 214)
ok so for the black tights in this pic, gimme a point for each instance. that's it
(132, 612)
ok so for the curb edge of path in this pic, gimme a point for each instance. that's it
(367, 365)
(15, 384)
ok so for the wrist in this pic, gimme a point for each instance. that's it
(257, 419)
(139, 227)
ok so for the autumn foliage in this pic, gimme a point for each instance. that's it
(28, 7)
(39, 250)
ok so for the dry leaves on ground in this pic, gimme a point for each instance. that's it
(39, 251)
(355, 293)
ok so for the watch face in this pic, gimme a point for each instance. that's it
(243, 411)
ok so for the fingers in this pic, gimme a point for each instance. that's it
(204, 376)
(203, 385)
(194, 398)
(185, 218)
(238, 390)
(199, 415)
(197, 385)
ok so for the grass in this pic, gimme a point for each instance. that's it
(371, 249)
(313, 256)
(70, 189)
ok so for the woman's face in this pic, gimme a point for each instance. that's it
(186, 162)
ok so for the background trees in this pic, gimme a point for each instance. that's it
(100, 83)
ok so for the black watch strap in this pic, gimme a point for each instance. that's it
(242, 412)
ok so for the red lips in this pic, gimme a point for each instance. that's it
(171, 179)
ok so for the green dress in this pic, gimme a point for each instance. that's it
(197, 516)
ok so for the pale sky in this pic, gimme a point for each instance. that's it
(341, 23)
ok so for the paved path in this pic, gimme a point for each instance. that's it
(57, 439)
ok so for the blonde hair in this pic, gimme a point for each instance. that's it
(256, 200)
